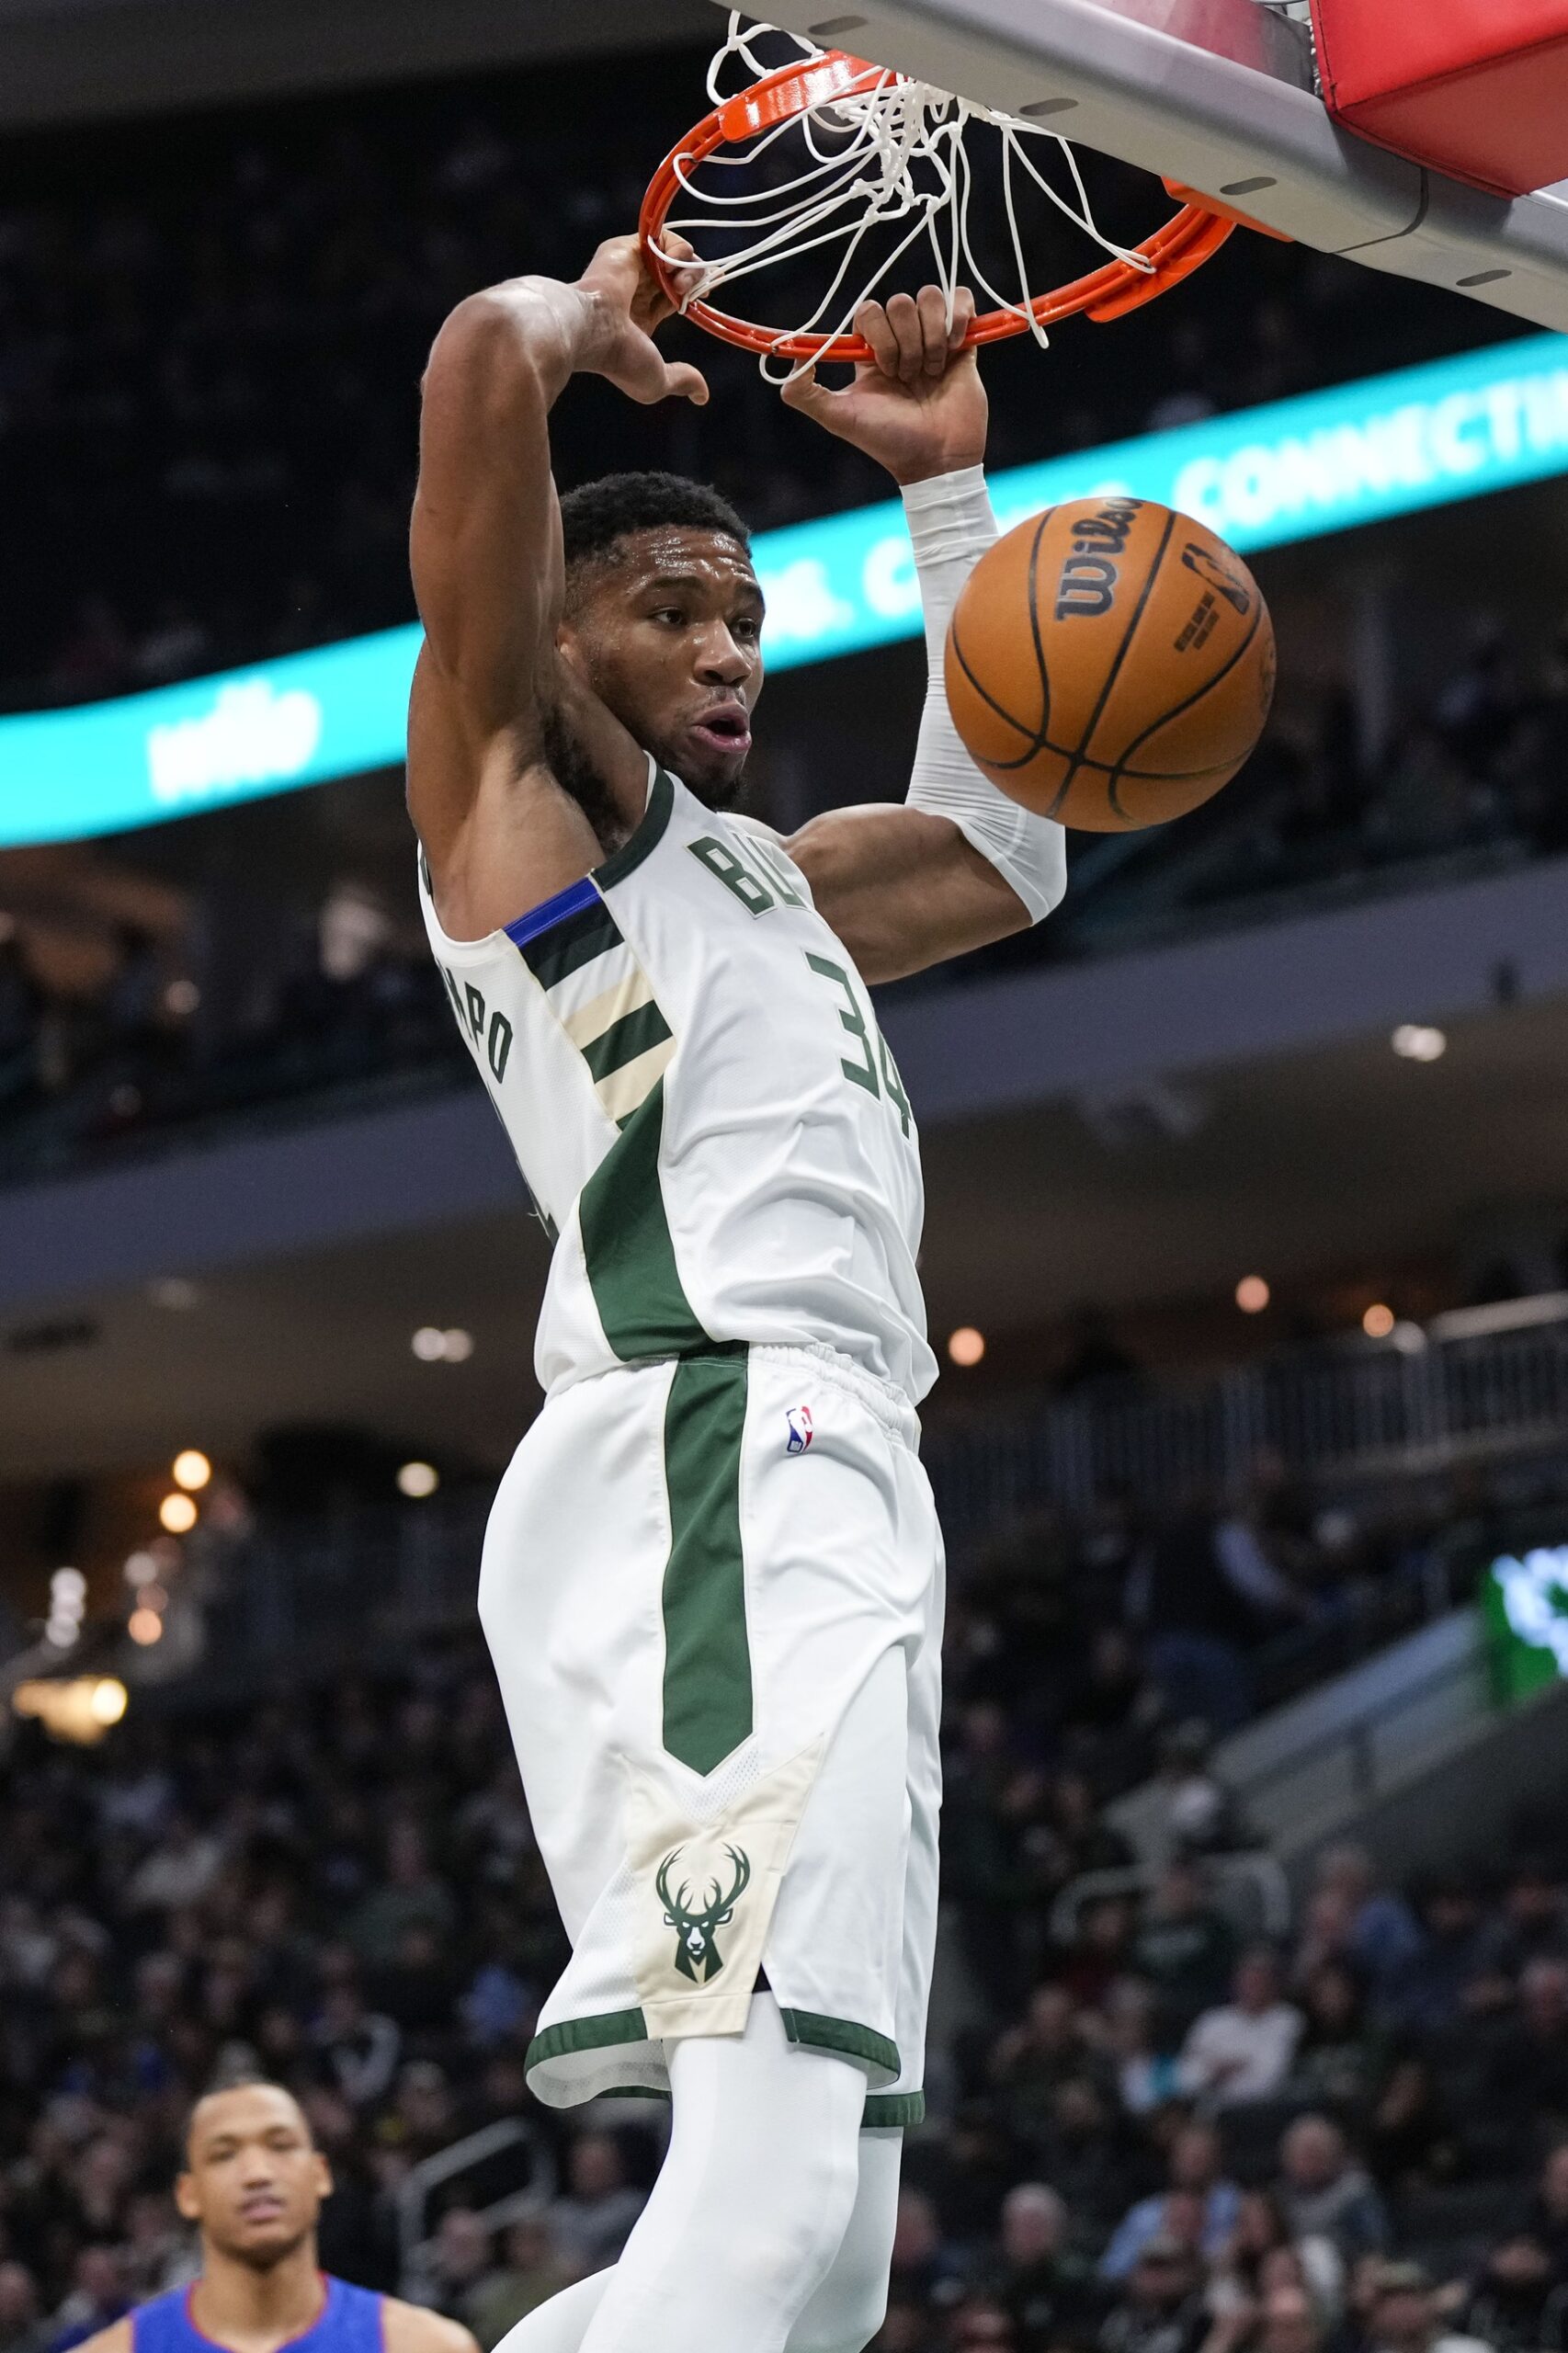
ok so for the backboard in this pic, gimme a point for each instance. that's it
(1219, 94)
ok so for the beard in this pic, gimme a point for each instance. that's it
(575, 774)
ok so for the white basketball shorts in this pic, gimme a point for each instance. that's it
(713, 1590)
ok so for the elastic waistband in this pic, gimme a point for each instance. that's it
(882, 1399)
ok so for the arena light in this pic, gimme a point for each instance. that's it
(966, 1345)
(1414, 1042)
(1379, 1320)
(191, 1469)
(1253, 1294)
(80, 1708)
(145, 1627)
(418, 1480)
(1291, 470)
(178, 1513)
(432, 1345)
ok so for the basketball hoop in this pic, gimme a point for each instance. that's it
(883, 153)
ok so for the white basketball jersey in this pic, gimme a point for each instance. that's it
(689, 1071)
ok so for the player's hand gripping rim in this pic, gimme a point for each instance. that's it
(917, 406)
(632, 306)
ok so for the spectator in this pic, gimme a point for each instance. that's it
(1198, 1815)
(1290, 2322)
(1382, 1935)
(1404, 2315)
(1145, 2076)
(1047, 2289)
(21, 2329)
(592, 2222)
(1185, 1948)
(1549, 2215)
(1430, 1991)
(1518, 2305)
(180, 1870)
(1527, 2087)
(1323, 2194)
(96, 2300)
(924, 2270)
(1242, 2050)
(1338, 2058)
(531, 2270)
(1196, 2172)
(1162, 2309)
(410, 1896)
(458, 2265)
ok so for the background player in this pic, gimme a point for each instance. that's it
(252, 2184)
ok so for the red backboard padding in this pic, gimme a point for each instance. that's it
(1476, 89)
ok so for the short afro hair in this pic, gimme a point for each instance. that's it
(596, 515)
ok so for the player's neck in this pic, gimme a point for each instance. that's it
(257, 2312)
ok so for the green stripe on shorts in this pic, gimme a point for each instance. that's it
(708, 1706)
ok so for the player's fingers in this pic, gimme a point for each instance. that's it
(685, 383)
(804, 392)
(963, 316)
(904, 321)
(931, 304)
(871, 322)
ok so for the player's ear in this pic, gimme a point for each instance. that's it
(186, 2197)
(325, 2183)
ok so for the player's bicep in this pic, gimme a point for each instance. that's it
(902, 888)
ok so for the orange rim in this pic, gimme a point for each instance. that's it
(1175, 250)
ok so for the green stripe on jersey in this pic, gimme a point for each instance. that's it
(572, 942)
(625, 1039)
(650, 833)
(707, 1701)
(627, 1250)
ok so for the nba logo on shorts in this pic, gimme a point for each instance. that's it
(800, 1420)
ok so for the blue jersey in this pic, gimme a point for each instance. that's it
(349, 2321)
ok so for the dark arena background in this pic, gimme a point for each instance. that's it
(1246, 1259)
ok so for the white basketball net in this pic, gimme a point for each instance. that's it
(891, 154)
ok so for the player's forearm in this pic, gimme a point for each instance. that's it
(904, 889)
(950, 527)
(528, 336)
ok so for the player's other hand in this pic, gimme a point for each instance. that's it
(917, 406)
(631, 304)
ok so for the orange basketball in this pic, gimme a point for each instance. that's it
(1111, 664)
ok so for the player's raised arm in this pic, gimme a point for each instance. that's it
(485, 555)
(957, 864)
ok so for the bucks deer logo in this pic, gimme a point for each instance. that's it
(696, 1955)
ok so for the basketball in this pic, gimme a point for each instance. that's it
(1111, 664)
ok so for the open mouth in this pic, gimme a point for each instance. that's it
(726, 728)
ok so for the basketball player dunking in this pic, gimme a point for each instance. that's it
(712, 1583)
(252, 2184)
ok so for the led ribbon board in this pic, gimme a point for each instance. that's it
(1292, 470)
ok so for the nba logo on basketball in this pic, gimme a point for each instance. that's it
(800, 1420)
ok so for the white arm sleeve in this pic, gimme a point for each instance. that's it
(950, 526)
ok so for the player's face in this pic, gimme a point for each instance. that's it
(253, 2181)
(669, 637)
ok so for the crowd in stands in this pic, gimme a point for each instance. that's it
(212, 333)
(1149, 2131)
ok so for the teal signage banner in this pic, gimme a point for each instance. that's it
(1293, 470)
